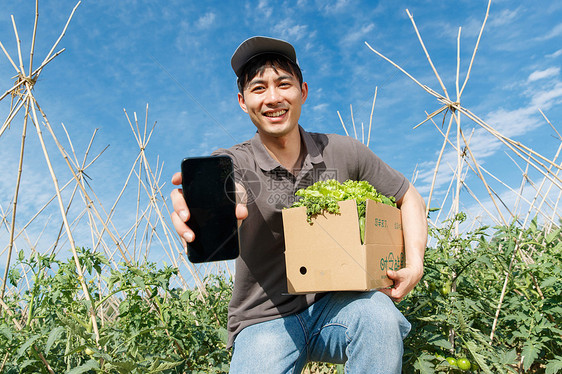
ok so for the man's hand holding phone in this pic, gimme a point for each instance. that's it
(180, 215)
(205, 201)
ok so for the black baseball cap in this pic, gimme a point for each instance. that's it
(259, 45)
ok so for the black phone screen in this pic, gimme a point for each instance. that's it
(210, 194)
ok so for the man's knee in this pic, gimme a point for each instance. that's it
(376, 315)
(267, 347)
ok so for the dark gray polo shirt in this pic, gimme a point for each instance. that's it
(260, 286)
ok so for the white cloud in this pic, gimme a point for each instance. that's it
(265, 7)
(541, 74)
(547, 98)
(354, 37)
(337, 6)
(320, 107)
(506, 16)
(555, 54)
(555, 32)
(206, 20)
(288, 30)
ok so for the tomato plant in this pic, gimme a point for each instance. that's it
(458, 318)
(147, 326)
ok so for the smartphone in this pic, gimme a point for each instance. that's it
(210, 194)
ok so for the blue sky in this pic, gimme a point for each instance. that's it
(175, 57)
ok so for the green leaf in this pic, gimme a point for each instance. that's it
(554, 366)
(159, 366)
(548, 282)
(14, 276)
(472, 347)
(530, 353)
(441, 342)
(139, 281)
(123, 367)
(533, 225)
(53, 336)
(424, 365)
(552, 235)
(510, 357)
(7, 333)
(223, 334)
(89, 365)
(26, 345)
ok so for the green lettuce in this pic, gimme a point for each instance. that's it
(323, 197)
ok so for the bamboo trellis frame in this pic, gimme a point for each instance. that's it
(151, 224)
(549, 169)
(150, 220)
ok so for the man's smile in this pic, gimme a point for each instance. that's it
(277, 113)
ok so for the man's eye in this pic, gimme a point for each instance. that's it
(258, 88)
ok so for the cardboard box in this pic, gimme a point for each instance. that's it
(327, 254)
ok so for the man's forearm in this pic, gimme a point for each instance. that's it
(414, 225)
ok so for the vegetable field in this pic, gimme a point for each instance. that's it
(82, 290)
(481, 302)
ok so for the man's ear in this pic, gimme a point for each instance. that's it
(242, 103)
(304, 91)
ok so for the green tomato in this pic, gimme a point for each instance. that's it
(451, 361)
(463, 363)
(475, 366)
(446, 289)
(432, 287)
(89, 352)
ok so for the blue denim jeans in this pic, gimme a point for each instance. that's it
(364, 330)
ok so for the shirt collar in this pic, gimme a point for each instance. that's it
(266, 162)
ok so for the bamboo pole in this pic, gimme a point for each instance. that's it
(15, 200)
(153, 186)
(554, 159)
(343, 124)
(444, 199)
(11, 116)
(479, 173)
(83, 189)
(521, 188)
(371, 116)
(10, 59)
(427, 54)
(459, 167)
(9, 91)
(446, 138)
(18, 42)
(353, 120)
(473, 195)
(476, 48)
(64, 218)
(430, 116)
(458, 65)
(34, 35)
(62, 33)
(456, 106)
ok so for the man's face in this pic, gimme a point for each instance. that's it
(274, 100)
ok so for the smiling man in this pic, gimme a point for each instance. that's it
(271, 331)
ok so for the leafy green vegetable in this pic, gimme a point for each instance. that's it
(323, 197)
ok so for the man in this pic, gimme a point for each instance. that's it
(269, 330)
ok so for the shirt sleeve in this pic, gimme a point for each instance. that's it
(373, 169)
